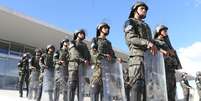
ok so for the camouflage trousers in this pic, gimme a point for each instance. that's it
(137, 83)
(171, 85)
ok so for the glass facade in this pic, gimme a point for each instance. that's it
(10, 54)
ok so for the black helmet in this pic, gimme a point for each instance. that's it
(26, 55)
(50, 46)
(38, 51)
(62, 42)
(198, 73)
(100, 26)
(77, 32)
(135, 6)
(184, 74)
(158, 29)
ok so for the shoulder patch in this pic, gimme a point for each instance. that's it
(128, 28)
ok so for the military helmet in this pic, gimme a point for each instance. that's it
(50, 46)
(77, 32)
(158, 29)
(62, 42)
(135, 6)
(100, 26)
(184, 74)
(26, 55)
(198, 73)
(38, 50)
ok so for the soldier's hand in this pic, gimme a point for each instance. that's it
(152, 47)
(109, 57)
(120, 60)
(171, 52)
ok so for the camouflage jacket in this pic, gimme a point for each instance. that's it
(74, 58)
(46, 61)
(61, 55)
(34, 62)
(83, 50)
(137, 36)
(104, 47)
(23, 65)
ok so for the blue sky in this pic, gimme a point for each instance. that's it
(181, 16)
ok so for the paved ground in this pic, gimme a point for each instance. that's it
(13, 95)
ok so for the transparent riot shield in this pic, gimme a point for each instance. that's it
(113, 84)
(155, 78)
(85, 73)
(48, 85)
(33, 84)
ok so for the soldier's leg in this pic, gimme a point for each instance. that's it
(39, 93)
(64, 89)
(95, 90)
(72, 85)
(21, 81)
(171, 85)
(56, 90)
(27, 83)
(127, 92)
(137, 83)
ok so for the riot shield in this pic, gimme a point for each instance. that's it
(113, 84)
(48, 84)
(33, 84)
(85, 73)
(155, 78)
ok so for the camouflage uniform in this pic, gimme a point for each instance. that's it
(137, 36)
(23, 67)
(61, 70)
(47, 69)
(185, 86)
(34, 76)
(198, 83)
(171, 62)
(103, 46)
(73, 66)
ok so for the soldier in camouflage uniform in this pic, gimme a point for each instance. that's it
(35, 71)
(84, 53)
(170, 58)
(139, 39)
(40, 85)
(198, 83)
(47, 68)
(101, 47)
(61, 70)
(73, 66)
(23, 67)
(185, 86)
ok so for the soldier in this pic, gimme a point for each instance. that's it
(101, 47)
(61, 70)
(198, 83)
(138, 38)
(185, 86)
(170, 58)
(35, 71)
(73, 77)
(47, 71)
(23, 67)
(83, 50)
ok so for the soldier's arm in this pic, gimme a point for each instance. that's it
(56, 57)
(75, 55)
(87, 53)
(41, 63)
(132, 36)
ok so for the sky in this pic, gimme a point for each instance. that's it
(181, 17)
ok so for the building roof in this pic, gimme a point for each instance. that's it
(27, 30)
